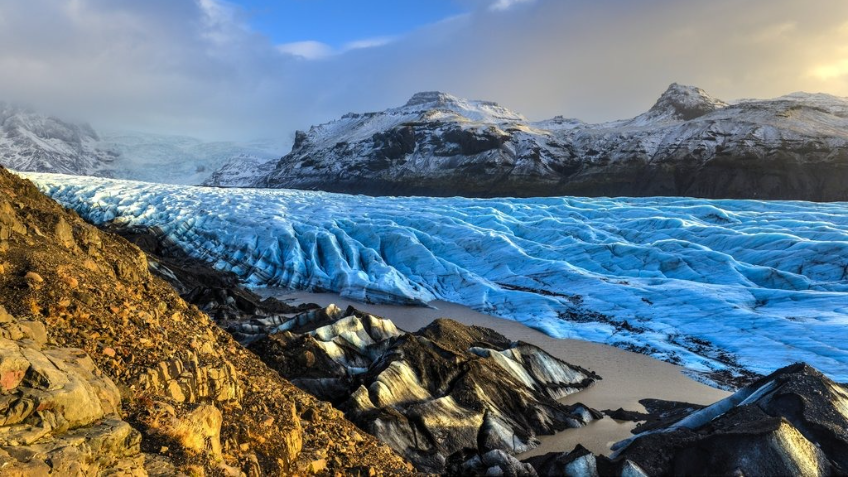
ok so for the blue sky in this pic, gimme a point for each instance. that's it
(341, 22)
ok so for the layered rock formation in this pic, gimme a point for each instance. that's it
(687, 144)
(104, 366)
(447, 391)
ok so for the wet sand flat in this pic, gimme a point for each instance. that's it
(627, 377)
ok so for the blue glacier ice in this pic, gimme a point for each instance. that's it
(710, 284)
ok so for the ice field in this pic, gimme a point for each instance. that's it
(710, 284)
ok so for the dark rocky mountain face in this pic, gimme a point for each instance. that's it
(687, 144)
(447, 392)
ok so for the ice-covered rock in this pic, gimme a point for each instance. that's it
(443, 390)
(792, 422)
(713, 285)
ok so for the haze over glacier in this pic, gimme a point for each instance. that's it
(711, 284)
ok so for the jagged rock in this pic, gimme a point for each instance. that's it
(198, 431)
(64, 233)
(185, 379)
(108, 447)
(9, 222)
(493, 463)
(792, 422)
(58, 413)
(577, 463)
(687, 144)
(244, 314)
(430, 394)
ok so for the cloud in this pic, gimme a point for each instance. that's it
(316, 50)
(501, 5)
(310, 50)
(197, 68)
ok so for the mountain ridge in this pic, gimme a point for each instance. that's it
(687, 144)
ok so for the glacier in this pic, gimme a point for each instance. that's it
(714, 285)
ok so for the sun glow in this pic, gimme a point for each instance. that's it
(832, 70)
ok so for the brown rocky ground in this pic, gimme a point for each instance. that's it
(105, 369)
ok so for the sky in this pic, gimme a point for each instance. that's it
(243, 69)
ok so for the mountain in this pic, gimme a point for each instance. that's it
(240, 170)
(105, 370)
(31, 141)
(687, 144)
(180, 159)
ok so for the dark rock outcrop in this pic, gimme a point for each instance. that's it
(445, 390)
(217, 293)
(792, 422)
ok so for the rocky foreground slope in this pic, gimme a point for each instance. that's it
(687, 144)
(105, 369)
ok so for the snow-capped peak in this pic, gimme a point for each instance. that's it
(682, 103)
(431, 98)
(474, 110)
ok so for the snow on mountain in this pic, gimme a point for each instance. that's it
(179, 159)
(678, 103)
(687, 144)
(33, 142)
(30, 141)
(240, 170)
(711, 284)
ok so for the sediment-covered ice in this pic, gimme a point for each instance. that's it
(711, 284)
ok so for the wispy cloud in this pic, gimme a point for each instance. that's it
(316, 50)
(310, 50)
(502, 5)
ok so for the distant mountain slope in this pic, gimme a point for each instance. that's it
(179, 159)
(687, 144)
(31, 141)
(240, 170)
